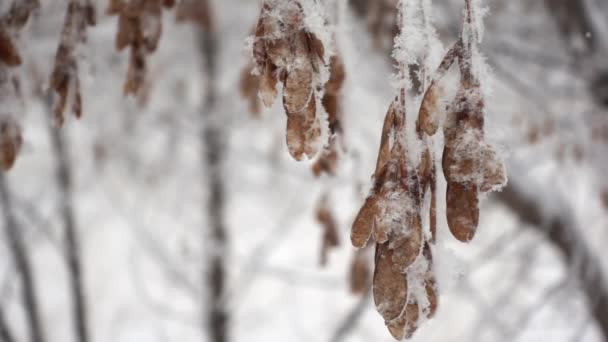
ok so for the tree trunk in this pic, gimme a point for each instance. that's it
(213, 150)
(72, 245)
(5, 333)
(16, 247)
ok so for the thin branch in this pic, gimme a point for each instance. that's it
(72, 243)
(564, 234)
(351, 320)
(22, 263)
(5, 332)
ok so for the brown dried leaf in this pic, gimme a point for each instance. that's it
(390, 285)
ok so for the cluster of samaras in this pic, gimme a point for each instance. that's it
(10, 131)
(404, 286)
(285, 51)
(139, 28)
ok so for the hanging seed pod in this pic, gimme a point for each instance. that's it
(64, 78)
(249, 88)
(428, 118)
(328, 159)
(390, 285)
(405, 325)
(285, 50)
(330, 229)
(10, 91)
(140, 29)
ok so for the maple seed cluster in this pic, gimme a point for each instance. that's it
(64, 78)
(392, 216)
(404, 286)
(10, 129)
(139, 28)
(285, 51)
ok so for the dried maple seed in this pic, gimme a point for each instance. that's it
(428, 118)
(285, 50)
(390, 285)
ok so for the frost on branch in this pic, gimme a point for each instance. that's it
(470, 164)
(404, 286)
(291, 46)
(139, 28)
(64, 79)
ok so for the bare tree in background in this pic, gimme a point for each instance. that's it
(213, 133)
(23, 264)
(72, 242)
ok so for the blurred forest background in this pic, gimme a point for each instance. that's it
(178, 214)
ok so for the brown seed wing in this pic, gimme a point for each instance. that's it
(303, 132)
(10, 144)
(298, 89)
(9, 54)
(364, 223)
(407, 246)
(405, 325)
(462, 210)
(390, 285)
(428, 117)
(126, 31)
(315, 45)
(494, 174)
(268, 86)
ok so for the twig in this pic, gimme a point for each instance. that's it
(23, 264)
(351, 320)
